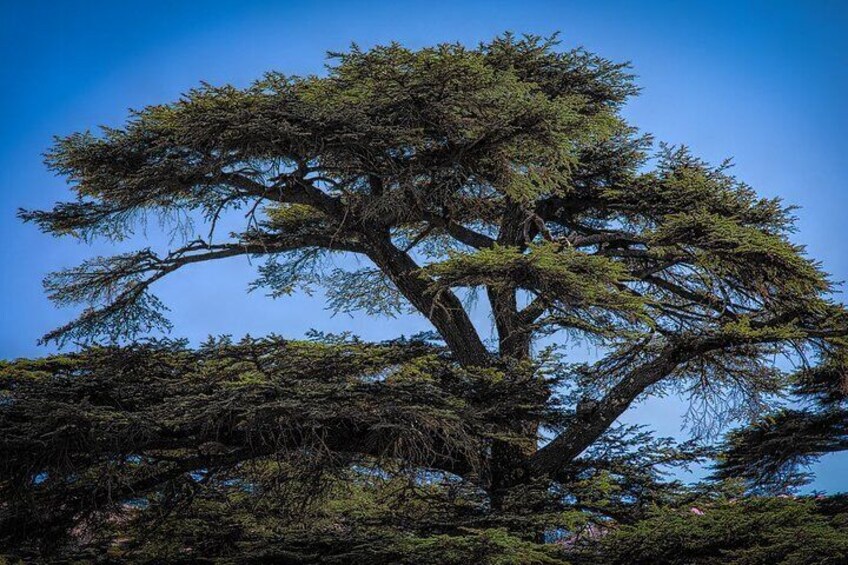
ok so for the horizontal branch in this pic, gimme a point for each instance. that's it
(132, 276)
(459, 232)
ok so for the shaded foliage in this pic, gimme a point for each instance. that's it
(746, 531)
(286, 440)
(339, 451)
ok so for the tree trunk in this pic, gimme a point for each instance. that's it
(509, 459)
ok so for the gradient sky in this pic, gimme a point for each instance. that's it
(762, 82)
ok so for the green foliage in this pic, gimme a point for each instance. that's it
(495, 547)
(574, 282)
(757, 531)
(745, 254)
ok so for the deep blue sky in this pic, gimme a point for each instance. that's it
(763, 82)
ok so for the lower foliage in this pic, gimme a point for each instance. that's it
(337, 451)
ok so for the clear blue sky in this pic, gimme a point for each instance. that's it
(763, 82)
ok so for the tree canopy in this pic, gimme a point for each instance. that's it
(505, 170)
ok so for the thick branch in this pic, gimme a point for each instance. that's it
(569, 444)
(562, 210)
(443, 309)
(288, 189)
(513, 332)
(459, 232)
(583, 433)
